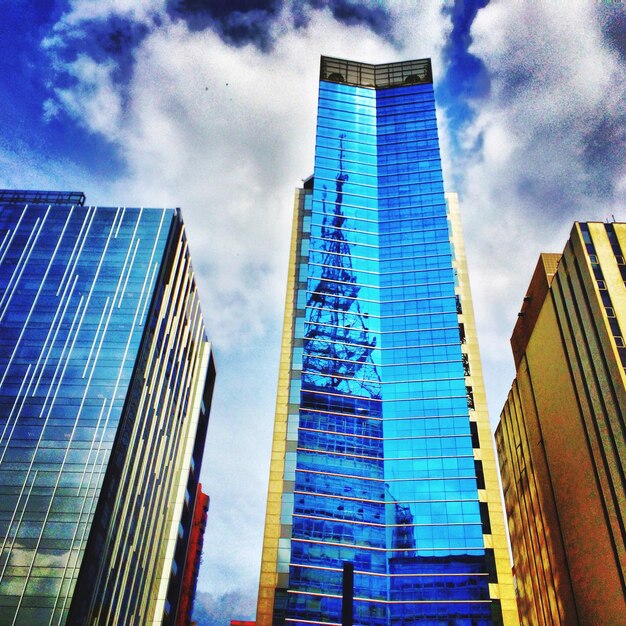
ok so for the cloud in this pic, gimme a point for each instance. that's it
(92, 99)
(371, 14)
(211, 107)
(612, 19)
(214, 111)
(226, 132)
(238, 23)
(262, 22)
(219, 609)
(542, 148)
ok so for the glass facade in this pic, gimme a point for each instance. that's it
(82, 295)
(379, 467)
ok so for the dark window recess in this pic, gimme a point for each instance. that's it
(614, 324)
(474, 431)
(610, 233)
(496, 613)
(347, 595)
(466, 367)
(480, 476)
(280, 606)
(484, 517)
(470, 397)
(490, 562)
(584, 229)
(462, 332)
(459, 306)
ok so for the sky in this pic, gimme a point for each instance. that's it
(209, 105)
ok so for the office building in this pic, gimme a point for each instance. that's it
(383, 488)
(106, 379)
(192, 560)
(561, 438)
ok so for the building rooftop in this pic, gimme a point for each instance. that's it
(381, 76)
(24, 196)
(533, 301)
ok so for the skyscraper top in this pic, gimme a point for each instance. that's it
(376, 76)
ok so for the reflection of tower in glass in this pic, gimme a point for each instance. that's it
(339, 345)
(337, 370)
(377, 456)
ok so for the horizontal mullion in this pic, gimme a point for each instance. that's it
(388, 401)
(379, 332)
(386, 459)
(377, 549)
(336, 520)
(412, 438)
(397, 316)
(374, 272)
(380, 348)
(380, 480)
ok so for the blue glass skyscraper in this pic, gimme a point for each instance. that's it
(383, 460)
(105, 385)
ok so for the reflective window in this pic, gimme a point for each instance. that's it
(384, 469)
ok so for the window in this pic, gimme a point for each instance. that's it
(466, 367)
(585, 233)
(470, 397)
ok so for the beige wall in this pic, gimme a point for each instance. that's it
(562, 449)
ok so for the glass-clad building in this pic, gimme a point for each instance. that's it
(382, 460)
(105, 385)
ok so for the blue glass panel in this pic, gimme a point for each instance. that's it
(384, 469)
(75, 287)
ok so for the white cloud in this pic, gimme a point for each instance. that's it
(554, 85)
(85, 10)
(93, 100)
(227, 133)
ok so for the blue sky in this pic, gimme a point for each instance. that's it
(210, 106)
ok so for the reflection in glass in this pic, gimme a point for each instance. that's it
(385, 475)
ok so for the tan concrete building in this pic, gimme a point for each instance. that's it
(562, 435)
